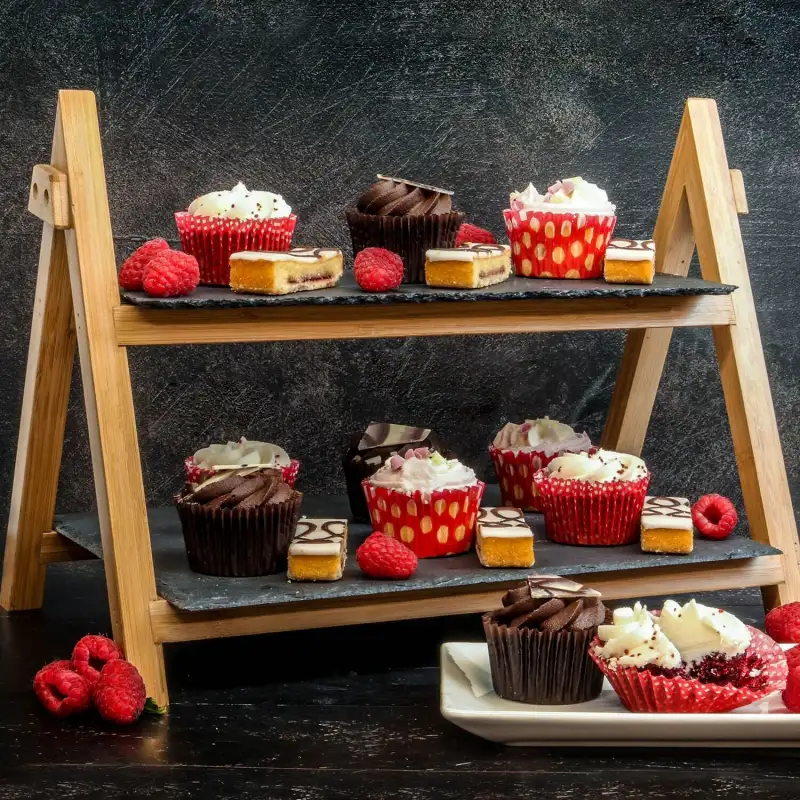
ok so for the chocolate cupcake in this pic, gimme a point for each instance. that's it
(239, 523)
(539, 642)
(369, 450)
(407, 218)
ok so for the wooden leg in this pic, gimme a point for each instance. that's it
(107, 392)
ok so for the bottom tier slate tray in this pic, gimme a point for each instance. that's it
(189, 591)
(468, 700)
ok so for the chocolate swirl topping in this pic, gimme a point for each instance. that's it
(549, 604)
(633, 244)
(398, 197)
(241, 490)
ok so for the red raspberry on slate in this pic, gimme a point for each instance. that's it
(714, 516)
(474, 235)
(171, 274)
(134, 266)
(119, 694)
(783, 624)
(61, 690)
(791, 694)
(381, 556)
(378, 270)
(91, 654)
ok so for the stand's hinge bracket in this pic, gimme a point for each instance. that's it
(49, 196)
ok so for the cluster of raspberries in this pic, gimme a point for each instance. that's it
(783, 625)
(97, 675)
(160, 271)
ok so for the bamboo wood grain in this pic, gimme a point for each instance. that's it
(107, 394)
(56, 548)
(745, 381)
(51, 353)
(739, 194)
(140, 326)
(172, 625)
(49, 198)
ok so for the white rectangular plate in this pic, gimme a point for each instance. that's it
(599, 723)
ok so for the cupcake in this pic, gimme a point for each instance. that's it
(407, 218)
(686, 659)
(519, 450)
(239, 522)
(593, 498)
(562, 233)
(209, 460)
(369, 450)
(220, 223)
(427, 501)
(539, 642)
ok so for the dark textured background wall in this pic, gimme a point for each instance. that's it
(311, 99)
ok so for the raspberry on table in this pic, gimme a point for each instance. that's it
(714, 516)
(171, 274)
(783, 625)
(381, 556)
(791, 694)
(119, 694)
(378, 270)
(61, 690)
(134, 266)
(474, 235)
(91, 654)
(793, 656)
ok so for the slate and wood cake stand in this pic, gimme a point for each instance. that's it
(153, 597)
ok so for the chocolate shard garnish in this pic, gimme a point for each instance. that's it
(563, 618)
(556, 586)
(532, 620)
(425, 186)
(387, 434)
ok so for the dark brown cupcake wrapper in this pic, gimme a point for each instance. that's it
(238, 544)
(530, 666)
(408, 236)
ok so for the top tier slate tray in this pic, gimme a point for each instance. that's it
(78, 302)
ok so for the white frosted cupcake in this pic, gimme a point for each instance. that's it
(244, 453)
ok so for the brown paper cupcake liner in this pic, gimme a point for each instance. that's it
(238, 544)
(531, 666)
(408, 236)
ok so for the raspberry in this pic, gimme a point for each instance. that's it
(381, 556)
(793, 657)
(171, 274)
(791, 694)
(61, 690)
(783, 624)
(91, 654)
(714, 516)
(134, 266)
(378, 270)
(472, 234)
(119, 694)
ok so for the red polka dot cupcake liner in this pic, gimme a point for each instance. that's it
(211, 240)
(587, 513)
(440, 523)
(515, 470)
(643, 692)
(195, 474)
(558, 244)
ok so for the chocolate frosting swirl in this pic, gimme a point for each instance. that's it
(398, 197)
(241, 490)
(550, 604)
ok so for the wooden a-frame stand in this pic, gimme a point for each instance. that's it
(77, 299)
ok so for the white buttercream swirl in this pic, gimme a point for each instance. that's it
(545, 435)
(424, 474)
(243, 453)
(698, 631)
(570, 195)
(601, 466)
(241, 203)
(636, 640)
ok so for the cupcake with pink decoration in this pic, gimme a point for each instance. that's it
(519, 449)
(562, 233)
(428, 502)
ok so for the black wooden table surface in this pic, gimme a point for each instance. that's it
(344, 713)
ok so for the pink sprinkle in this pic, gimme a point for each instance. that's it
(554, 188)
(422, 452)
(396, 461)
(525, 427)
(568, 186)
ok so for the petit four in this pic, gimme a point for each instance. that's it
(562, 233)
(470, 266)
(503, 538)
(407, 218)
(538, 642)
(666, 525)
(300, 269)
(318, 550)
(630, 261)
